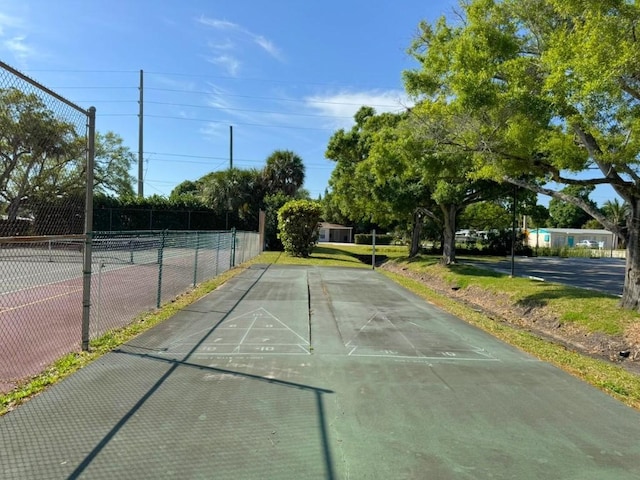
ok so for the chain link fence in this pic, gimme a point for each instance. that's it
(43, 148)
(41, 287)
(60, 283)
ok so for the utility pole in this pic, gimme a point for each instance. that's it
(230, 146)
(141, 137)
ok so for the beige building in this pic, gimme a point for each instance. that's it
(570, 237)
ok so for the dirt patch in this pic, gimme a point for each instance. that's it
(623, 350)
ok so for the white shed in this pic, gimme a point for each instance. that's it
(331, 232)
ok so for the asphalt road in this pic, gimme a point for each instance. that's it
(600, 274)
(319, 373)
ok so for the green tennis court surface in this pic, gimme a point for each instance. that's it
(296, 372)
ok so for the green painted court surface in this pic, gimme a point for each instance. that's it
(319, 373)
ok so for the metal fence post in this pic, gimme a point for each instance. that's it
(195, 262)
(160, 255)
(88, 229)
(217, 252)
(233, 248)
(373, 251)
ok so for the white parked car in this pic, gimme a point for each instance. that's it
(587, 244)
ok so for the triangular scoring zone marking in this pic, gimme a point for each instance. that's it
(383, 351)
(251, 316)
(254, 316)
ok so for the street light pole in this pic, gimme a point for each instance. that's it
(513, 232)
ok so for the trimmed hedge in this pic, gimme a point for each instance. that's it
(367, 239)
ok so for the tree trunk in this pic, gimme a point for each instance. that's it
(631, 291)
(449, 234)
(415, 236)
(14, 208)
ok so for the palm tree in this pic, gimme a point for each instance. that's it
(616, 212)
(284, 172)
(234, 192)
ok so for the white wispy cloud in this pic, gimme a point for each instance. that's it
(18, 47)
(268, 46)
(260, 40)
(9, 22)
(341, 106)
(13, 38)
(173, 83)
(228, 62)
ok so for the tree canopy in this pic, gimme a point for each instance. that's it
(238, 194)
(43, 158)
(541, 91)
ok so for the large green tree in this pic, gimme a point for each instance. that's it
(43, 158)
(41, 154)
(545, 89)
(113, 160)
(567, 215)
(411, 150)
(236, 193)
(360, 192)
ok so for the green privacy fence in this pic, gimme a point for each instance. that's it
(43, 295)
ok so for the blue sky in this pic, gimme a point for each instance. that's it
(286, 74)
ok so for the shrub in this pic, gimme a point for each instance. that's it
(298, 224)
(367, 239)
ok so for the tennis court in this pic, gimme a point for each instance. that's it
(41, 288)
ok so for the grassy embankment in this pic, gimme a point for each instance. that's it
(596, 312)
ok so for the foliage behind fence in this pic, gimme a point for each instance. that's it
(44, 145)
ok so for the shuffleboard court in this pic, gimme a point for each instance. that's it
(308, 372)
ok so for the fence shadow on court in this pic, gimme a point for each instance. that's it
(175, 364)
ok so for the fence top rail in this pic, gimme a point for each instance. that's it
(43, 88)
(154, 232)
(40, 238)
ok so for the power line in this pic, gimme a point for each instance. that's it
(205, 76)
(224, 161)
(249, 79)
(243, 110)
(237, 123)
(280, 99)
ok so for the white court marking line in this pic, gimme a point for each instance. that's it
(473, 348)
(448, 359)
(387, 319)
(255, 318)
(264, 310)
(236, 318)
(65, 278)
(40, 300)
(281, 323)
(362, 328)
(384, 316)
